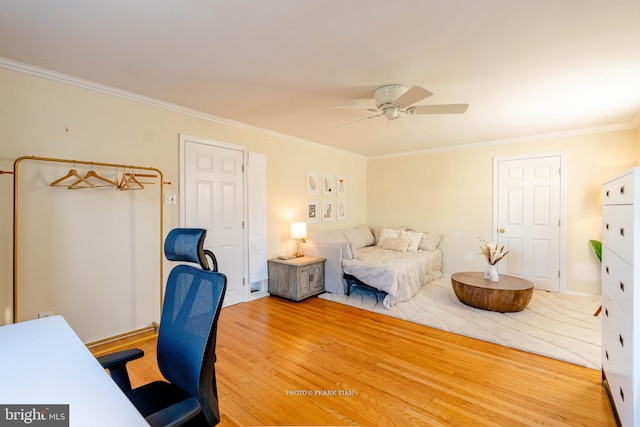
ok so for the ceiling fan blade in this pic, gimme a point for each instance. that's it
(359, 120)
(413, 95)
(438, 109)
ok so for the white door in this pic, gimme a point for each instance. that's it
(213, 194)
(528, 218)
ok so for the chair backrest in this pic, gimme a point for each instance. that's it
(187, 335)
(187, 244)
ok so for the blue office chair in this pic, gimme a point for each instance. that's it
(186, 341)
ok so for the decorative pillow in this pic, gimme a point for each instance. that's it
(360, 236)
(325, 236)
(414, 239)
(388, 233)
(378, 230)
(430, 242)
(395, 244)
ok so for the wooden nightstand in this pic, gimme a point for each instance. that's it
(296, 278)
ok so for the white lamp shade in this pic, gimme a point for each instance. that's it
(298, 230)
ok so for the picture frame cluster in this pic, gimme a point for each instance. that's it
(327, 185)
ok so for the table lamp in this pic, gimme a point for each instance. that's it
(298, 231)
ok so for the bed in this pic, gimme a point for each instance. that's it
(397, 261)
(399, 274)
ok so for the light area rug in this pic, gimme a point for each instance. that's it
(560, 326)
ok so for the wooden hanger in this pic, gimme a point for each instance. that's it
(145, 175)
(126, 182)
(73, 173)
(92, 174)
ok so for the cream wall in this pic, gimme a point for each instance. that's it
(48, 118)
(446, 192)
(638, 160)
(451, 193)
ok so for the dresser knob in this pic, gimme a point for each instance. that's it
(622, 190)
(606, 312)
(622, 394)
(606, 227)
(622, 286)
(606, 269)
(621, 340)
(607, 193)
(606, 354)
(622, 231)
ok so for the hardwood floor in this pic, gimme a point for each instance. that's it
(320, 363)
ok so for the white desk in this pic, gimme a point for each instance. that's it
(44, 362)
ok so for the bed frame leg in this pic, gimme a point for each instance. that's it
(347, 287)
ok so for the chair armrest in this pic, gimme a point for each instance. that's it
(175, 415)
(116, 363)
(118, 358)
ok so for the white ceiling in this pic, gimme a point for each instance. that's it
(524, 67)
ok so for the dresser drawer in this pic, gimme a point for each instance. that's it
(617, 230)
(623, 400)
(619, 191)
(617, 345)
(617, 280)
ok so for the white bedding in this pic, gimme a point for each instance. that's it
(399, 274)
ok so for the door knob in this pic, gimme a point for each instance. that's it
(501, 230)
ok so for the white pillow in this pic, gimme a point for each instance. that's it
(388, 233)
(378, 230)
(395, 244)
(360, 236)
(325, 236)
(414, 239)
(430, 242)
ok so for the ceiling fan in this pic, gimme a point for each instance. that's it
(392, 101)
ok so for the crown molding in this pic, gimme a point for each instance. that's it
(539, 137)
(131, 96)
(109, 90)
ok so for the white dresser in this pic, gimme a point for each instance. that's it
(620, 301)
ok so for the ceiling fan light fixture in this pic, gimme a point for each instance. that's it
(391, 113)
(386, 95)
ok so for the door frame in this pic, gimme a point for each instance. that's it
(562, 230)
(184, 139)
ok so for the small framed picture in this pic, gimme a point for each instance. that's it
(312, 211)
(328, 185)
(313, 185)
(341, 213)
(328, 210)
(341, 185)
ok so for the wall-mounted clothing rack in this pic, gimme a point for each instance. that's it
(129, 172)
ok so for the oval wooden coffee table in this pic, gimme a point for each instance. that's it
(508, 294)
